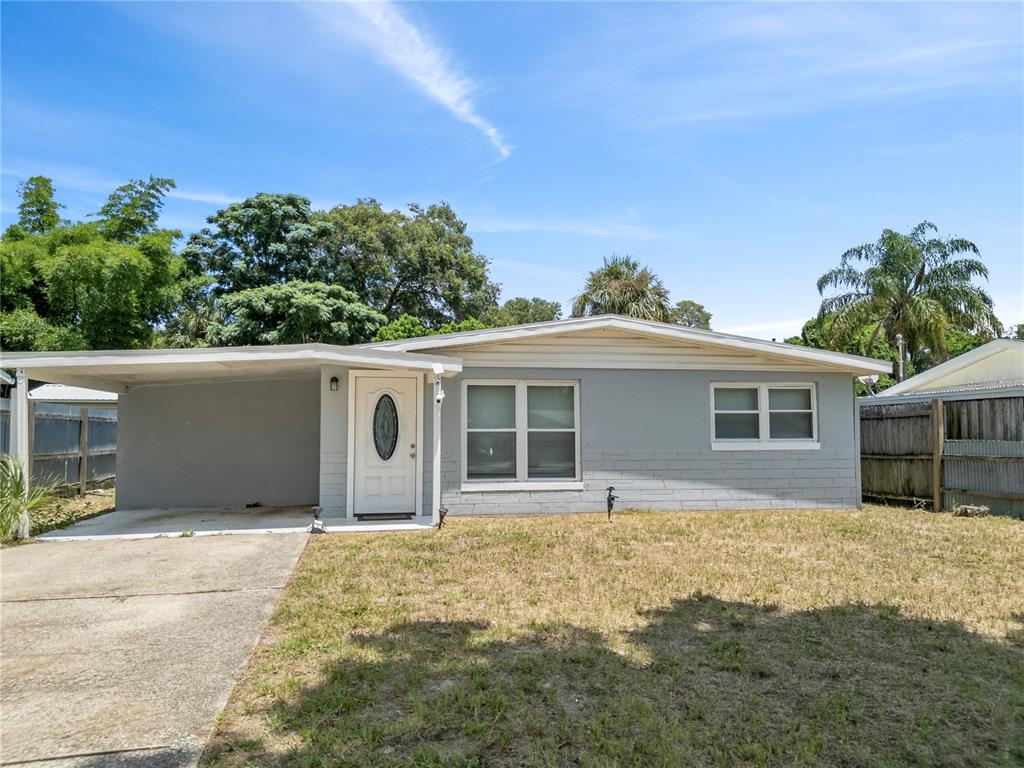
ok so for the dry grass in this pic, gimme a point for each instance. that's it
(68, 511)
(882, 637)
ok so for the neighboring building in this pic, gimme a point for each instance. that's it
(991, 370)
(62, 394)
(953, 434)
(533, 418)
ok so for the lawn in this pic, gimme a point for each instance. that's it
(881, 637)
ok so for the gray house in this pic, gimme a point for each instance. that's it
(532, 418)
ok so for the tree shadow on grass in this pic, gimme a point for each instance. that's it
(703, 682)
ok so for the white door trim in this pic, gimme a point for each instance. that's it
(350, 463)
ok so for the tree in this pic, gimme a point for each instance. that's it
(419, 263)
(38, 212)
(691, 314)
(110, 294)
(915, 284)
(133, 209)
(23, 330)
(621, 286)
(293, 313)
(194, 320)
(520, 310)
(266, 239)
(409, 327)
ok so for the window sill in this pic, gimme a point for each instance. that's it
(775, 445)
(528, 485)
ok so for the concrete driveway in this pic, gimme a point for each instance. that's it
(121, 653)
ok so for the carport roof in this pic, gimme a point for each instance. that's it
(117, 371)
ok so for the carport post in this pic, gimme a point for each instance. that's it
(435, 475)
(19, 424)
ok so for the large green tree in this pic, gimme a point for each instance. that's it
(76, 286)
(420, 262)
(916, 284)
(690, 314)
(133, 209)
(266, 239)
(520, 310)
(292, 313)
(409, 327)
(38, 212)
(622, 286)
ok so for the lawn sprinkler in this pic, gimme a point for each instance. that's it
(318, 524)
(611, 501)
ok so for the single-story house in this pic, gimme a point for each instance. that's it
(532, 418)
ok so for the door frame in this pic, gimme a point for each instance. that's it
(350, 460)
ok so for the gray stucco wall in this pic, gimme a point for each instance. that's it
(648, 433)
(222, 444)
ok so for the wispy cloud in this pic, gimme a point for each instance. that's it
(584, 227)
(387, 31)
(732, 63)
(91, 180)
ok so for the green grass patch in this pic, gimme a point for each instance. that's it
(880, 637)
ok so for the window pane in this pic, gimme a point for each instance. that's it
(551, 454)
(550, 407)
(791, 426)
(789, 399)
(737, 426)
(491, 455)
(491, 407)
(729, 399)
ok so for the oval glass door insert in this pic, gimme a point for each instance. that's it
(385, 427)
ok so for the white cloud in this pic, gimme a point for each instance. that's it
(396, 40)
(84, 179)
(731, 63)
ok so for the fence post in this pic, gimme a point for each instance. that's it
(938, 448)
(83, 452)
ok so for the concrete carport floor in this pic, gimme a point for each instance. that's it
(122, 653)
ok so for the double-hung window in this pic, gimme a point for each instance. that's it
(521, 433)
(747, 416)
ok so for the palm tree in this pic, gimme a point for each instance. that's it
(916, 285)
(621, 286)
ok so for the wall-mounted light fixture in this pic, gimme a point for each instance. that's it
(334, 383)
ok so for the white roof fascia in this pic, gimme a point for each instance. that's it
(959, 362)
(324, 353)
(841, 360)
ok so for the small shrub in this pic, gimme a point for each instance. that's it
(16, 499)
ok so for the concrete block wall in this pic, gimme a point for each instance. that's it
(654, 446)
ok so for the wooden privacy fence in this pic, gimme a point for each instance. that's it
(946, 452)
(70, 445)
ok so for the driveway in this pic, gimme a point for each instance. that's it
(121, 653)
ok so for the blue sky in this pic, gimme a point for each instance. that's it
(736, 149)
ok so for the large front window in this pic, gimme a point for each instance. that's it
(763, 416)
(521, 431)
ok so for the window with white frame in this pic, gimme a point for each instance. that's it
(521, 431)
(763, 415)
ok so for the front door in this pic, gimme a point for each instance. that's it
(384, 468)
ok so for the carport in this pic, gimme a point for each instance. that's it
(222, 440)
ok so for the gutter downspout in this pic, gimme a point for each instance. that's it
(435, 476)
